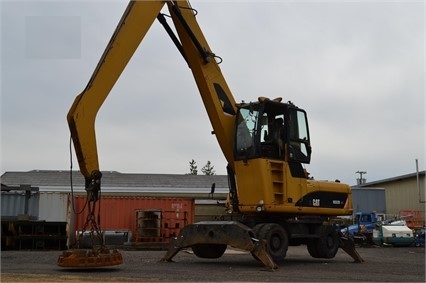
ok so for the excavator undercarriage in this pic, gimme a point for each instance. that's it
(209, 239)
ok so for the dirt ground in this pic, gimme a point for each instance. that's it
(383, 264)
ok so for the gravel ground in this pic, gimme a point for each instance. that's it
(383, 264)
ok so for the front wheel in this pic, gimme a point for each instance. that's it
(209, 250)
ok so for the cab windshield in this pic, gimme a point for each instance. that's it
(272, 130)
(246, 132)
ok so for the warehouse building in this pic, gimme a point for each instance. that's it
(404, 197)
(403, 193)
(143, 207)
(368, 199)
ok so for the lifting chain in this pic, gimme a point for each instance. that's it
(93, 186)
(91, 225)
(100, 255)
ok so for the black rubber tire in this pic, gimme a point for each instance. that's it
(327, 245)
(276, 240)
(312, 248)
(209, 250)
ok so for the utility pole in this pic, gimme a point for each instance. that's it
(360, 181)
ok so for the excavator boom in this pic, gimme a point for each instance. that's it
(132, 28)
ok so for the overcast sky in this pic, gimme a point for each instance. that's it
(356, 67)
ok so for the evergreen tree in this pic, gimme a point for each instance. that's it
(208, 169)
(193, 168)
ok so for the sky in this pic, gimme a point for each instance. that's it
(356, 67)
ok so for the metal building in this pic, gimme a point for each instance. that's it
(49, 202)
(369, 199)
(131, 196)
(406, 192)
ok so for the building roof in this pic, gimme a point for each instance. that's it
(357, 187)
(393, 179)
(115, 181)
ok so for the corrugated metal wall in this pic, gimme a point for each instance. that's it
(53, 206)
(43, 206)
(369, 199)
(13, 205)
(34, 220)
(120, 213)
(404, 195)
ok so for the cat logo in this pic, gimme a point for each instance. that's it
(316, 202)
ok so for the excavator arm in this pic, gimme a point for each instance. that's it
(132, 28)
(218, 101)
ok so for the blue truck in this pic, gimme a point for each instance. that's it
(364, 224)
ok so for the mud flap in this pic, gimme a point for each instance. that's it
(229, 233)
(348, 245)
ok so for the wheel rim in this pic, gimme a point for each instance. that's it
(276, 242)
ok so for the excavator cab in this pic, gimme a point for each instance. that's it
(271, 129)
(272, 143)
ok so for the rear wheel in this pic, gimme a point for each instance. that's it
(327, 245)
(276, 240)
(209, 250)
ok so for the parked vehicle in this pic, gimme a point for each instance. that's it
(419, 238)
(364, 224)
(395, 233)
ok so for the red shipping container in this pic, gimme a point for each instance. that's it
(147, 218)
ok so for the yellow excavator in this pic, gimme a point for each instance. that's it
(272, 202)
